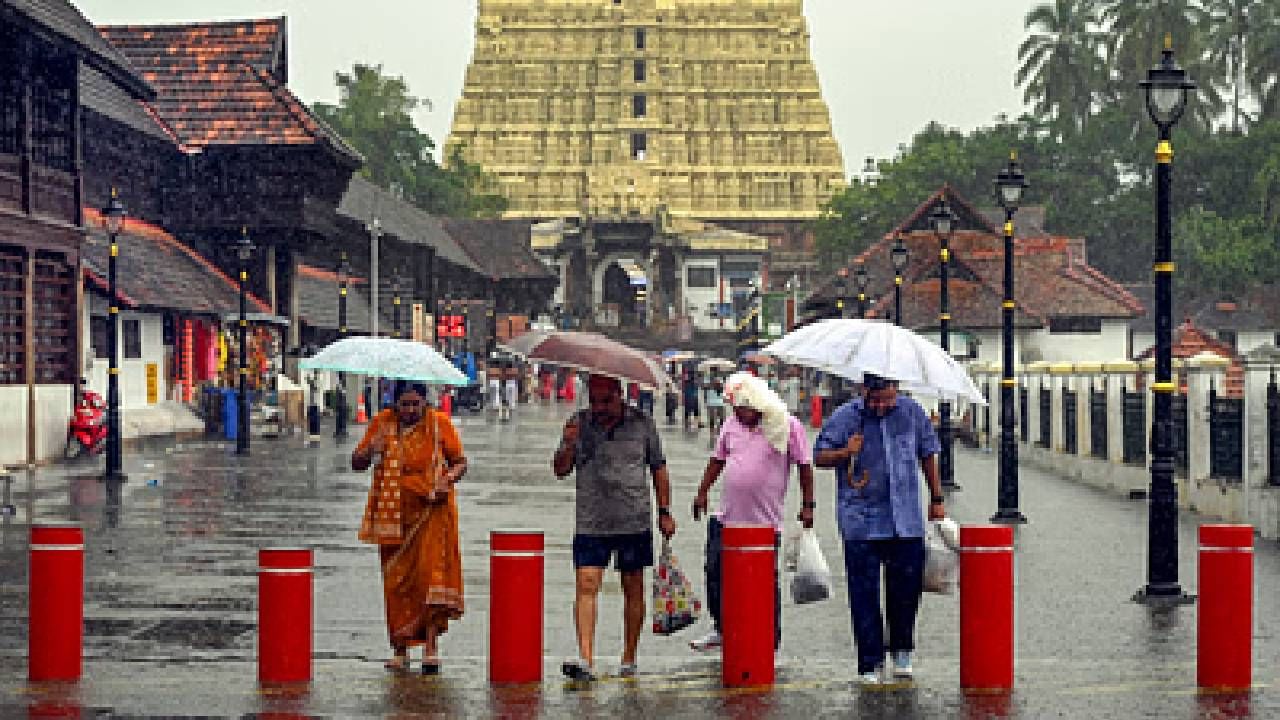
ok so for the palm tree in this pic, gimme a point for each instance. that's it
(1228, 39)
(1138, 29)
(1262, 63)
(1062, 67)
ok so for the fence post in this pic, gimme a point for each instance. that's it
(1116, 376)
(1206, 375)
(1037, 386)
(1059, 385)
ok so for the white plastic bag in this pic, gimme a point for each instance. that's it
(812, 579)
(791, 547)
(940, 559)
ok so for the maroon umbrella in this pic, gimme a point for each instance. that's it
(593, 353)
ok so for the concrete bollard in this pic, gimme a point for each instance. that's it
(748, 566)
(1224, 623)
(284, 615)
(56, 599)
(986, 607)
(515, 606)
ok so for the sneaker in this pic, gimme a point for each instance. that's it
(869, 679)
(710, 641)
(578, 670)
(902, 665)
(628, 671)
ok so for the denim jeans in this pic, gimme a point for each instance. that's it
(714, 549)
(903, 562)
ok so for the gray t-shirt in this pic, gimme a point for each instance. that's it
(613, 474)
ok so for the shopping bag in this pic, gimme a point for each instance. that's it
(674, 605)
(791, 547)
(812, 579)
(941, 561)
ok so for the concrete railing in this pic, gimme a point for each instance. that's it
(1250, 499)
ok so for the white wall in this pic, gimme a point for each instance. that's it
(13, 424)
(133, 372)
(698, 300)
(1110, 344)
(53, 413)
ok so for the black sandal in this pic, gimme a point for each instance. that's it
(430, 666)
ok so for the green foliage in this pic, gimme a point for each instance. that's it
(374, 114)
(1224, 256)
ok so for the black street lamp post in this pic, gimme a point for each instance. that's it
(1010, 185)
(861, 280)
(943, 221)
(244, 253)
(1166, 87)
(340, 393)
(842, 290)
(113, 217)
(900, 258)
(395, 305)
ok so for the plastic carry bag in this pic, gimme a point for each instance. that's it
(812, 579)
(941, 561)
(674, 605)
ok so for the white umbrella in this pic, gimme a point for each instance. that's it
(850, 348)
(388, 358)
(717, 364)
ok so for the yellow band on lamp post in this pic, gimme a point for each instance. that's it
(1008, 305)
(1165, 267)
(1164, 152)
(1164, 387)
(945, 255)
(944, 316)
(1008, 227)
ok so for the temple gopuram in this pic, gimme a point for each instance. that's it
(675, 152)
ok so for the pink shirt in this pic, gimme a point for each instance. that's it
(756, 475)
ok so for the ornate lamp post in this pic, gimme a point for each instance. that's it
(244, 253)
(943, 222)
(1010, 185)
(1166, 87)
(113, 219)
(900, 258)
(842, 290)
(861, 280)
(340, 412)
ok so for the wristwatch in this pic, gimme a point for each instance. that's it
(936, 500)
(664, 512)
(811, 505)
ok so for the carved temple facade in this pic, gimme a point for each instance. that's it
(665, 133)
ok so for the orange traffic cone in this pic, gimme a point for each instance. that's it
(362, 417)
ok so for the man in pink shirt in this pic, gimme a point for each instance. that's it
(757, 446)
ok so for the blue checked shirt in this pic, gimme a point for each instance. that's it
(893, 446)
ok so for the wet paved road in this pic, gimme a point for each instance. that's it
(171, 583)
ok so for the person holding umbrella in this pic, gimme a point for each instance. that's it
(615, 451)
(878, 445)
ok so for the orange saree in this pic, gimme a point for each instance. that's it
(413, 517)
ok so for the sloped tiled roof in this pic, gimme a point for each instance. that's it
(1189, 341)
(156, 271)
(364, 201)
(1051, 277)
(318, 301)
(224, 83)
(62, 18)
(499, 247)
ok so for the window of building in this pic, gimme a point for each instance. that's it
(131, 332)
(700, 277)
(640, 71)
(100, 336)
(639, 145)
(1229, 337)
(13, 313)
(639, 106)
(640, 38)
(1074, 324)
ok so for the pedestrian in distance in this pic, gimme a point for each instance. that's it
(756, 450)
(412, 516)
(673, 402)
(879, 444)
(690, 400)
(715, 410)
(616, 454)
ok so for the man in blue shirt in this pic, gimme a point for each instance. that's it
(878, 444)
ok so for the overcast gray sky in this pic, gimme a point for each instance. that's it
(887, 66)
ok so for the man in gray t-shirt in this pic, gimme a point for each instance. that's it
(617, 456)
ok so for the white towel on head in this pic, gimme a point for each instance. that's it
(743, 389)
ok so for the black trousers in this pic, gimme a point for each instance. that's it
(715, 548)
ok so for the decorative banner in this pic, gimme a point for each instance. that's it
(153, 383)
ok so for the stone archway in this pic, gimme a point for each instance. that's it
(602, 267)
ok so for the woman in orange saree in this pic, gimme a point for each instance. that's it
(412, 515)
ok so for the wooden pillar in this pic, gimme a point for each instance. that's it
(24, 125)
(29, 351)
(271, 269)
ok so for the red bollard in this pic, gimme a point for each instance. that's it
(284, 615)
(748, 564)
(515, 606)
(986, 607)
(446, 403)
(56, 601)
(1224, 624)
(815, 411)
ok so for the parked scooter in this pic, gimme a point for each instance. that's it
(87, 432)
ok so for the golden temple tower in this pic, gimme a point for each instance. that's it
(710, 108)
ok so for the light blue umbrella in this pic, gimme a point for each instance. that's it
(388, 358)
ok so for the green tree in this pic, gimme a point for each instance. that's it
(375, 114)
(1062, 69)
(1225, 255)
(1227, 26)
(1262, 64)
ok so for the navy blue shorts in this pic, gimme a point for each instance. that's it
(634, 552)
